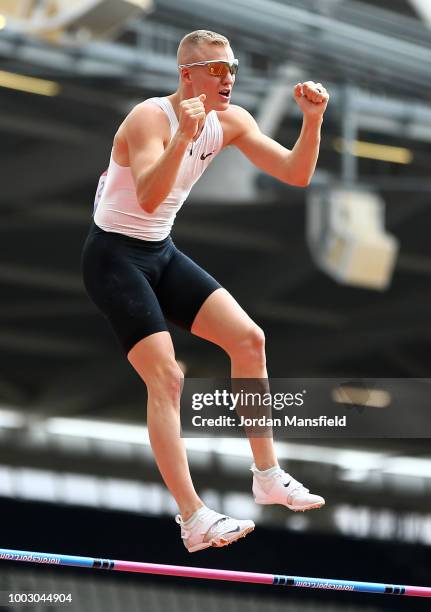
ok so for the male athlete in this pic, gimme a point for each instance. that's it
(139, 279)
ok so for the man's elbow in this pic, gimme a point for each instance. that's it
(299, 182)
(146, 197)
(147, 205)
(146, 202)
(305, 182)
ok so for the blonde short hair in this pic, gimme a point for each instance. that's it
(200, 37)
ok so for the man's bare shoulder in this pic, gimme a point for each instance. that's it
(235, 120)
(235, 114)
(146, 111)
(145, 120)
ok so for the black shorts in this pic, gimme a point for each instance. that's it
(138, 284)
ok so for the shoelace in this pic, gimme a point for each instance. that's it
(184, 532)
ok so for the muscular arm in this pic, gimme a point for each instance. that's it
(295, 166)
(154, 168)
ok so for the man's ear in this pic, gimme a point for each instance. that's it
(185, 75)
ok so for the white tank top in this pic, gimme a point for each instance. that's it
(117, 207)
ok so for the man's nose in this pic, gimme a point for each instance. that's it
(228, 79)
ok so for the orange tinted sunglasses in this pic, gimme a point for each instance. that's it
(217, 68)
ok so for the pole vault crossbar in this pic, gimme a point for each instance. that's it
(330, 584)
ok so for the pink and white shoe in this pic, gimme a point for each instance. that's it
(275, 486)
(208, 528)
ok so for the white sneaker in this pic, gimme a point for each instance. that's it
(208, 528)
(275, 486)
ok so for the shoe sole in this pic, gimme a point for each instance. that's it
(311, 507)
(221, 542)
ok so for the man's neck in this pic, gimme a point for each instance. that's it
(175, 100)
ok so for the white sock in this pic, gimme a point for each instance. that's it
(265, 473)
(190, 521)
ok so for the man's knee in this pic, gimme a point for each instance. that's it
(250, 345)
(163, 378)
(167, 381)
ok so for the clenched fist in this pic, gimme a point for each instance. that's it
(312, 98)
(192, 116)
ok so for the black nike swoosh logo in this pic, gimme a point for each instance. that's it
(203, 156)
(286, 485)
